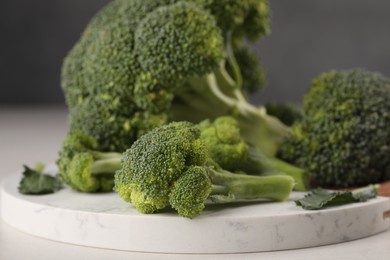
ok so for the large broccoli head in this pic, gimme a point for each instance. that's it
(343, 139)
(138, 62)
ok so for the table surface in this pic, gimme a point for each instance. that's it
(30, 135)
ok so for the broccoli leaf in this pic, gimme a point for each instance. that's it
(320, 198)
(38, 183)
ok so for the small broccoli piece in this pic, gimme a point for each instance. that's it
(288, 113)
(84, 168)
(343, 138)
(190, 191)
(227, 148)
(170, 165)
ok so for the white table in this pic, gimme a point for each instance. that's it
(29, 135)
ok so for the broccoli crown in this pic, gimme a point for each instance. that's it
(190, 191)
(74, 143)
(249, 18)
(103, 83)
(224, 143)
(288, 113)
(155, 162)
(78, 174)
(343, 139)
(178, 41)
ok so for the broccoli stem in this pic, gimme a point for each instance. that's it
(106, 166)
(228, 187)
(213, 95)
(260, 164)
(232, 61)
(105, 155)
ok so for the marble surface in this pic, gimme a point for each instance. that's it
(32, 134)
(106, 221)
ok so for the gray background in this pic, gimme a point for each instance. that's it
(308, 37)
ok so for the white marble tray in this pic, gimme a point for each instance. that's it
(105, 221)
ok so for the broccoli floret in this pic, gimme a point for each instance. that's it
(84, 168)
(253, 73)
(227, 148)
(248, 19)
(288, 113)
(170, 165)
(343, 138)
(101, 79)
(190, 191)
(142, 63)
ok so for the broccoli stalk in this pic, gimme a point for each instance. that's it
(216, 94)
(228, 187)
(259, 163)
(105, 163)
(208, 97)
(199, 184)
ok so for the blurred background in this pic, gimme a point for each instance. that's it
(308, 37)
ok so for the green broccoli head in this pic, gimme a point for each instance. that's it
(84, 168)
(75, 142)
(343, 139)
(108, 94)
(249, 18)
(178, 41)
(79, 174)
(224, 143)
(190, 191)
(257, 21)
(155, 162)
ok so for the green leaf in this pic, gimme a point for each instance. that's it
(38, 183)
(320, 198)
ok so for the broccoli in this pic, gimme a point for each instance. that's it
(170, 166)
(288, 113)
(343, 139)
(228, 149)
(143, 63)
(83, 167)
